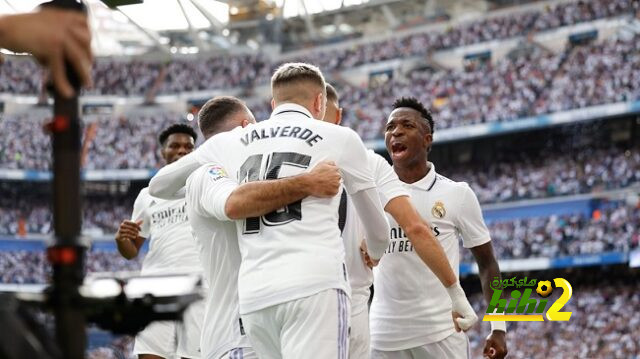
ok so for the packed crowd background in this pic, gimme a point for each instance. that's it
(517, 176)
(32, 267)
(136, 77)
(597, 328)
(533, 82)
(126, 142)
(613, 227)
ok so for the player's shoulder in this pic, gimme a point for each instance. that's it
(447, 183)
(456, 189)
(144, 198)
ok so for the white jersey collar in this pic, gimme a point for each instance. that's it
(291, 108)
(427, 182)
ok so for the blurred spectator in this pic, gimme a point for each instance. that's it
(549, 173)
(32, 267)
(124, 78)
(565, 235)
(596, 328)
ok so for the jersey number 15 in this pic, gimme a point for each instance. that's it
(250, 171)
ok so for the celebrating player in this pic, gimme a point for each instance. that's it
(286, 285)
(410, 313)
(223, 333)
(394, 198)
(172, 250)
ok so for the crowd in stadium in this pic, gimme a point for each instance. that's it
(549, 173)
(597, 328)
(613, 228)
(531, 83)
(119, 77)
(122, 143)
(32, 267)
(22, 213)
(525, 176)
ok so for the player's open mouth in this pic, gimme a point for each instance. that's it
(398, 149)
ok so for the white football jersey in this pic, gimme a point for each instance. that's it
(171, 245)
(296, 251)
(410, 306)
(217, 242)
(360, 276)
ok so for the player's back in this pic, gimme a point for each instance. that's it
(296, 251)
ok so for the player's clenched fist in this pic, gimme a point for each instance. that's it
(128, 230)
(326, 179)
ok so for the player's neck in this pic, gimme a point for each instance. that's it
(412, 172)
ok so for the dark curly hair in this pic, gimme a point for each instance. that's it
(413, 103)
(176, 128)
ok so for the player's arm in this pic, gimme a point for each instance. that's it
(358, 180)
(128, 239)
(254, 199)
(170, 179)
(488, 269)
(476, 237)
(221, 197)
(422, 239)
(132, 233)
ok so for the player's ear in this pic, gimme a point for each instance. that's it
(428, 140)
(273, 104)
(245, 123)
(318, 105)
(339, 115)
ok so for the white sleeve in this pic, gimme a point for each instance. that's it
(354, 164)
(168, 182)
(209, 188)
(375, 224)
(140, 212)
(469, 220)
(387, 181)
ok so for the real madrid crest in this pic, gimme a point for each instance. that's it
(438, 210)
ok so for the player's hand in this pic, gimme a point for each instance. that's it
(128, 230)
(365, 256)
(495, 347)
(52, 36)
(325, 180)
(464, 317)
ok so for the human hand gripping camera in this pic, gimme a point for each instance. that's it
(52, 36)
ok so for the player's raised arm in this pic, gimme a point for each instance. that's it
(358, 180)
(170, 179)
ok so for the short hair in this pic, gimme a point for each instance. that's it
(413, 103)
(332, 94)
(215, 112)
(177, 128)
(292, 74)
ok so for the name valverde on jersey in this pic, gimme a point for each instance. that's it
(297, 251)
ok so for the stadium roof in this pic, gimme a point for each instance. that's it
(184, 26)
